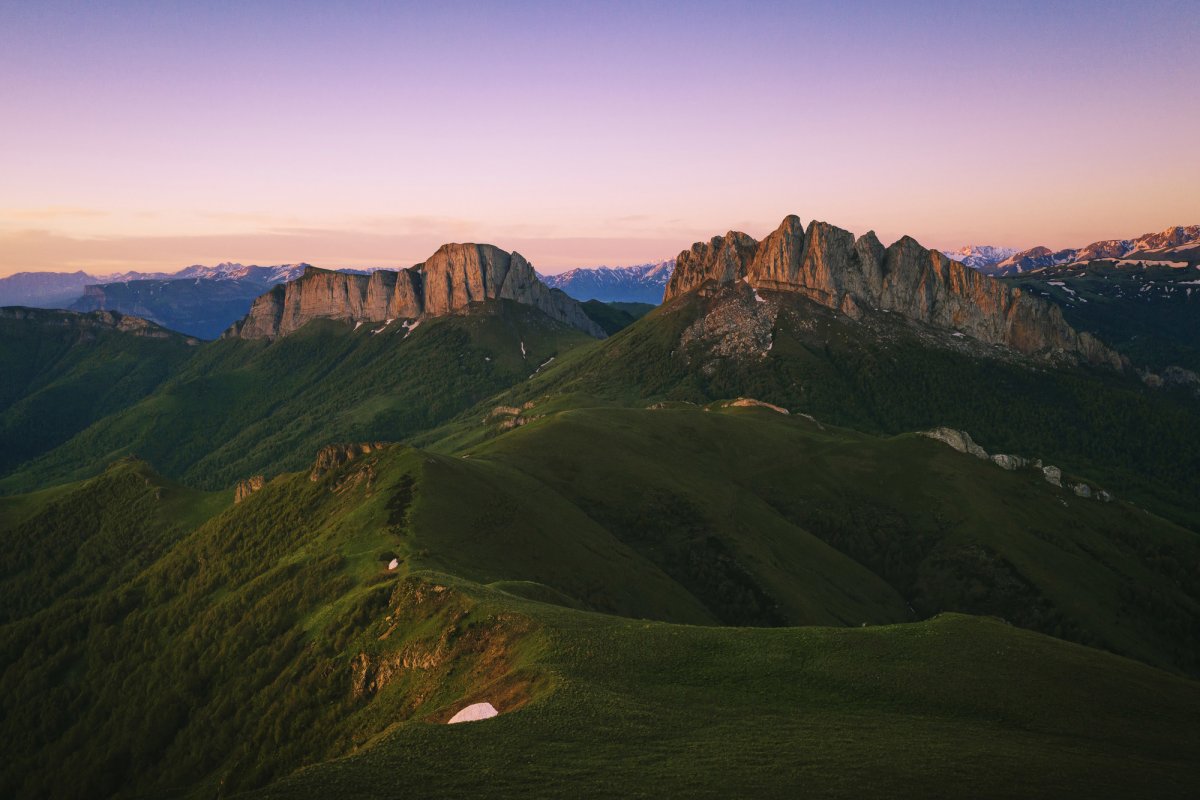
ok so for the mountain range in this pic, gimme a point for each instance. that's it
(643, 283)
(197, 300)
(979, 257)
(1172, 244)
(832, 517)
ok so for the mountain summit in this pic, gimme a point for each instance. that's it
(448, 282)
(829, 266)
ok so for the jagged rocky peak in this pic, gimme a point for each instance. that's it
(832, 267)
(449, 282)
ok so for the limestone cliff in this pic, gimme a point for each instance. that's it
(449, 282)
(832, 267)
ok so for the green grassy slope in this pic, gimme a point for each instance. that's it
(77, 539)
(952, 707)
(771, 519)
(884, 375)
(62, 372)
(612, 317)
(274, 637)
(243, 407)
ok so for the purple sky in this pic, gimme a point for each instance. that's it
(149, 135)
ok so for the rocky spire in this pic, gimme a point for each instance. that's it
(831, 267)
(449, 282)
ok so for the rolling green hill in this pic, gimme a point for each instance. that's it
(63, 371)
(273, 636)
(243, 407)
(884, 374)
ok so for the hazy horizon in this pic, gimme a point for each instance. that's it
(147, 137)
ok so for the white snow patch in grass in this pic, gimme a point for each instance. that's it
(473, 713)
(358, 325)
(1141, 262)
(522, 348)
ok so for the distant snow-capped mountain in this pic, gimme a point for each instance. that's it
(644, 283)
(980, 256)
(62, 290)
(1166, 245)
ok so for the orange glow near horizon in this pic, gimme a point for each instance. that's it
(370, 136)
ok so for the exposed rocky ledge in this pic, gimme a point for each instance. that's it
(247, 487)
(449, 282)
(332, 456)
(963, 443)
(90, 321)
(750, 402)
(830, 266)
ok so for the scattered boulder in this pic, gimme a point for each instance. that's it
(1082, 490)
(1009, 462)
(1104, 496)
(1053, 475)
(247, 487)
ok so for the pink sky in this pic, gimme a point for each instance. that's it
(149, 136)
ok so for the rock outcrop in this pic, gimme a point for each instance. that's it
(247, 487)
(332, 456)
(449, 282)
(831, 267)
(959, 440)
(750, 402)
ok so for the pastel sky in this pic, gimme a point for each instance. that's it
(152, 135)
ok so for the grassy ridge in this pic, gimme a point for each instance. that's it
(770, 519)
(952, 707)
(63, 372)
(274, 636)
(885, 375)
(243, 407)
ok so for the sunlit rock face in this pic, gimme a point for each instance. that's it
(832, 267)
(449, 282)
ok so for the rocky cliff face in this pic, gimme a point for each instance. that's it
(449, 282)
(832, 267)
